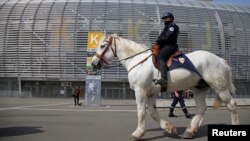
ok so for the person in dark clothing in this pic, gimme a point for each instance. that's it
(76, 95)
(168, 45)
(178, 97)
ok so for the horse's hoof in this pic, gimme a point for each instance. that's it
(174, 131)
(171, 129)
(132, 138)
(187, 135)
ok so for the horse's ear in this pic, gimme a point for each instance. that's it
(103, 37)
(115, 35)
(104, 32)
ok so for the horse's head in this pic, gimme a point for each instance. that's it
(106, 51)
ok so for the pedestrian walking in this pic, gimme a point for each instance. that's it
(178, 97)
(76, 95)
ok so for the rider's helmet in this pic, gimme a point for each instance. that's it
(167, 14)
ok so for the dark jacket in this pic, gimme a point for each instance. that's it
(168, 36)
(77, 92)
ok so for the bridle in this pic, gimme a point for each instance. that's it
(110, 40)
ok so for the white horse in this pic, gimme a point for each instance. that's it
(215, 72)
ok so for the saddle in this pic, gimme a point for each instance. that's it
(176, 60)
(155, 52)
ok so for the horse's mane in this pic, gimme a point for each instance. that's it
(131, 47)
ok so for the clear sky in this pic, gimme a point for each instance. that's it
(238, 2)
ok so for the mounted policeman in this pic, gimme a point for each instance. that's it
(167, 42)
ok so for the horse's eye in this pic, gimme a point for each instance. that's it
(102, 46)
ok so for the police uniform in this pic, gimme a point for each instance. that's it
(182, 104)
(168, 45)
(168, 42)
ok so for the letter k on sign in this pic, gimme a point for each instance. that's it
(93, 39)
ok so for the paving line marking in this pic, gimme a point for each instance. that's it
(78, 110)
(32, 106)
(75, 109)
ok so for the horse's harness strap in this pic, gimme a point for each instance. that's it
(101, 58)
(110, 42)
(115, 53)
(139, 63)
(115, 49)
(134, 55)
(105, 50)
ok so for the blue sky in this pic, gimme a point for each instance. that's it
(238, 2)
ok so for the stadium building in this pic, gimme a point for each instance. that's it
(43, 43)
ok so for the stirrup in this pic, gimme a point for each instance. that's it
(161, 82)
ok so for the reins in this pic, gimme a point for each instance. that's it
(115, 54)
(134, 55)
(130, 58)
(140, 62)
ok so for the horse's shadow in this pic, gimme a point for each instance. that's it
(20, 130)
(202, 131)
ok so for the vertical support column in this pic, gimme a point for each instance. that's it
(124, 90)
(19, 86)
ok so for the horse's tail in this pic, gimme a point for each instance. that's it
(217, 102)
(230, 86)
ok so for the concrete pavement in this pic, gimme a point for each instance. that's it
(57, 119)
(160, 103)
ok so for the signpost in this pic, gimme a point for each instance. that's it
(93, 77)
(93, 90)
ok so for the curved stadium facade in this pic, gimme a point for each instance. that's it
(43, 43)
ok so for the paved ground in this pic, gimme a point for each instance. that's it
(57, 119)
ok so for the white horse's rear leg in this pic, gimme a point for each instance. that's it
(141, 98)
(226, 97)
(201, 107)
(165, 125)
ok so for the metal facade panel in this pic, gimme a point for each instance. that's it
(47, 39)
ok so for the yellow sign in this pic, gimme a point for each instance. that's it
(208, 45)
(93, 39)
(133, 30)
(61, 33)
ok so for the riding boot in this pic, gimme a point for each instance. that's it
(171, 113)
(164, 77)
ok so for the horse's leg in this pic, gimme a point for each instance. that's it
(165, 125)
(226, 97)
(141, 97)
(201, 107)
